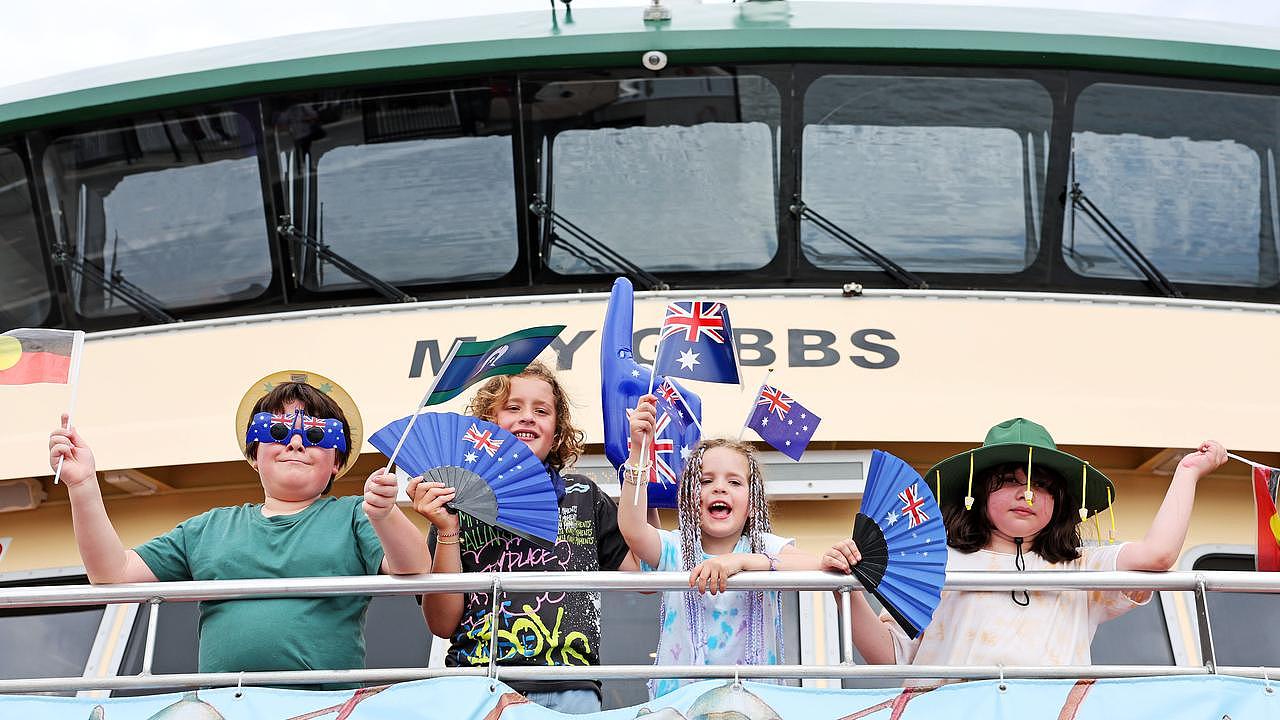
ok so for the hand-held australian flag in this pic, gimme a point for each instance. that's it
(782, 422)
(696, 342)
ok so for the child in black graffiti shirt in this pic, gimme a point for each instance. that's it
(549, 628)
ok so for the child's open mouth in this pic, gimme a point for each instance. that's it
(525, 435)
(719, 510)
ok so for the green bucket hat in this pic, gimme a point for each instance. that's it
(1020, 441)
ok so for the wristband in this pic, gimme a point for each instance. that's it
(773, 561)
(447, 542)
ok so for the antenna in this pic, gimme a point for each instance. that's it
(657, 12)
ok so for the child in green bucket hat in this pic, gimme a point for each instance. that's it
(1016, 503)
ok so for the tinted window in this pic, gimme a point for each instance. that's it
(1242, 631)
(415, 188)
(1188, 176)
(1139, 637)
(938, 174)
(673, 174)
(24, 288)
(63, 637)
(164, 212)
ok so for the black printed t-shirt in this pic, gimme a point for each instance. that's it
(544, 628)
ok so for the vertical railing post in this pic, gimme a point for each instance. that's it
(149, 648)
(493, 630)
(844, 610)
(1207, 654)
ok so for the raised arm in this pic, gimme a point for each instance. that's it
(1160, 548)
(404, 549)
(633, 504)
(442, 611)
(106, 559)
(870, 633)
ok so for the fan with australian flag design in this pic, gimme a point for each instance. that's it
(903, 542)
(499, 481)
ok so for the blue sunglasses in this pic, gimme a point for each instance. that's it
(269, 427)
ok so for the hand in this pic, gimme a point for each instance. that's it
(379, 494)
(78, 466)
(1209, 456)
(712, 575)
(841, 557)
(642, 420)
(429, 499)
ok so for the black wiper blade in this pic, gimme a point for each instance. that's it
(115, 285)
(595, 253)
(1081, 202)
(325, 254)
(901, 274)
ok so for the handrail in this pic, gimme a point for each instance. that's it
(68, 595)
(61, 596)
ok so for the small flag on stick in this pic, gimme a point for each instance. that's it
(471, 362)
(37, 355)
(1266, 492)
(782, 422)
(696, 342)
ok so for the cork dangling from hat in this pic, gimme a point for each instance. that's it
(259, 390)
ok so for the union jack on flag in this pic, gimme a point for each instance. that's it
(660, 468)
(481, 440)
(912, 505)
(696, 342)
(776, 401)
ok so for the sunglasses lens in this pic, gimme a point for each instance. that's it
(314, 436)
(279, 431)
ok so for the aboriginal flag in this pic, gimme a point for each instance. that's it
(1266, 487)
(35, 355)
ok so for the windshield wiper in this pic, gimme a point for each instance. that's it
(595, 253)
(322, 251)
(1081, 202)
(115, 285)
(901, 274)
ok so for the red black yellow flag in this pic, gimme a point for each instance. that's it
(1266, 489)
(37, 355)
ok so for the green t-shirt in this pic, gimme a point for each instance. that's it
(331, 537)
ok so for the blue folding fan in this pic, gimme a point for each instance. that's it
(903, 542)
(498, 480)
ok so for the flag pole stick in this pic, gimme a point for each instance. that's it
(644, 443)
(414, 416)
(759, 390)
(1246, 461)
(77, 348)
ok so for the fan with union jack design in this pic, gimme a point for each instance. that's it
(903, 542)
(499, 481)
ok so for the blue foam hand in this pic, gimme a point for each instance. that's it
(623, 381)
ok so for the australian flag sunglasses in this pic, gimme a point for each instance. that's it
(269, 427)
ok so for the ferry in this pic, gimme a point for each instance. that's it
(925, 220)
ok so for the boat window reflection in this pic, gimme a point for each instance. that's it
(1188, 176)
(24, 287)
(938, 174)
(414, 189)
(1243, 630)
(674, 174)
(165, 214)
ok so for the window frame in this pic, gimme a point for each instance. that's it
(54, 313)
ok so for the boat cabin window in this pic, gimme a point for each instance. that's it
(57, 640)
(160, 213)
(1244, 627)
(671, 174)
(938, 174)
(1187, 176)
(24, 284)
(413, 188)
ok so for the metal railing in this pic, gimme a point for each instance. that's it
(1199, 583)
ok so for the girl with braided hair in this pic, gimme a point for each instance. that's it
(724, 529)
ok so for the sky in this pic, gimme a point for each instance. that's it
(39, 39)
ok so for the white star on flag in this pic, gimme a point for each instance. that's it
(635, 373)
(791, 422)
(469, 457)
(684, 453)
(803, 416)
(764, 421)
(688, 359)
(891, 518)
